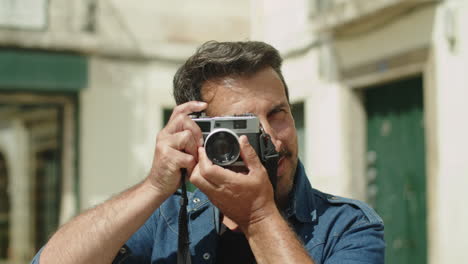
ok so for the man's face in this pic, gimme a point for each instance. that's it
(262, 94)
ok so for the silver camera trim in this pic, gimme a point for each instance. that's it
(211, 124)
(252, 122)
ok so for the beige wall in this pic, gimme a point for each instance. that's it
(406, 32)
(139, 50)
(445, 92)
(63, 31)
(150, 29)
(335, 118)
(120, 117)
(284, 24)
(168, 30)
(449, 232)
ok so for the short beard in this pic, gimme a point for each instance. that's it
(285, 153)
(282, 199)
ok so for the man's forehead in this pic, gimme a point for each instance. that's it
(234, 95)
(220, 86)
(250, 105)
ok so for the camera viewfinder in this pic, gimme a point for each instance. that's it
(240, 124)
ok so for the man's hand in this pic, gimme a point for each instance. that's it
(99, 233)
(246, 198)
(176, 148)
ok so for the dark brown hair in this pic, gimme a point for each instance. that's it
(221, 59)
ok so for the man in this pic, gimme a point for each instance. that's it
(234, 217)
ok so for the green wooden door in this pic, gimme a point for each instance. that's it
(396, 167)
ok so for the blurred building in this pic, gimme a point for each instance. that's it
(378, 89)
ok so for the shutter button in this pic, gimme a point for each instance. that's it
(206, 256)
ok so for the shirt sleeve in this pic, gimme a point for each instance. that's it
(37, 256)
(138, 249)
(361, 244)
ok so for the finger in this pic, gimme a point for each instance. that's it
(248, 154)
(215, 174)
(183, 141)
(188, 108)
(200, 182)
(184, 122)
(180, 160)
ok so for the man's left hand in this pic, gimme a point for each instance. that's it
(246, 198)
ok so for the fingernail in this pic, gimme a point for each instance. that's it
(200, 143)
(201, 103)
(243, 139)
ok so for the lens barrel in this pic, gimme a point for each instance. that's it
(222, 147)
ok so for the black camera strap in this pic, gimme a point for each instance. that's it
(183, 252)
(269, 158)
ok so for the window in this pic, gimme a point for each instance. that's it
(298, 114)
(167, 112)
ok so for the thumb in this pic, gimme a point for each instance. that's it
(248, 154)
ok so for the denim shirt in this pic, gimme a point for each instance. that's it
(331, 228)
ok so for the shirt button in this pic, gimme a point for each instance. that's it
(196, 200)
(206, 256)
(123, 250)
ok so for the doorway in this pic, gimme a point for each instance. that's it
(396, 169)
(38, 144)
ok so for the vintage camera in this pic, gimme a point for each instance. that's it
(221, 135)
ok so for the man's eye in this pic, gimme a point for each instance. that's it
(276, 111)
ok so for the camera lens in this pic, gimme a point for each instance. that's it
(222, 147)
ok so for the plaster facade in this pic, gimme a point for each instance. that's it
(332, 52)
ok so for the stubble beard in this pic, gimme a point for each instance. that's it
(282, 193)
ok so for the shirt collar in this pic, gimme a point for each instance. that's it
(301, 201)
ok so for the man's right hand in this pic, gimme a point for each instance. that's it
(100, 232)
(176, 148)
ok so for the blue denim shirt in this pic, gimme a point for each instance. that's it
(332, 229)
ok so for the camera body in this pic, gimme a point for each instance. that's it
(221, 135)
(221, 141)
